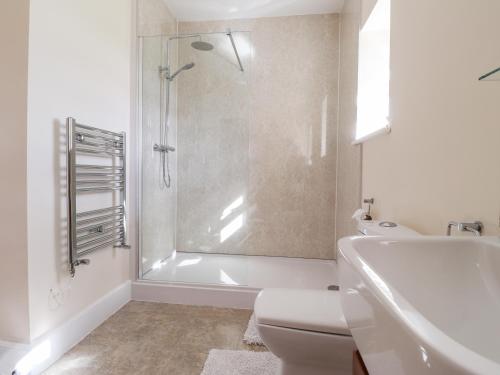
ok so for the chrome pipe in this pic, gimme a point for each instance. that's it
(183, 36)
(101, 211)
(105, 224)
(100, 149)
(102, 137)
(101, 232)
(97, 219)
(71, 192)
(98, 152)
(97, 130)
(97, 241)
(230, 35)
(101, 181)
(98, 143)
(98, 189)
(96, 174)
(123, 193)
(83, 135)
(98, 167)
(94, 136)
(101, 246)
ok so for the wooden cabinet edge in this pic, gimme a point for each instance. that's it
(358, 366)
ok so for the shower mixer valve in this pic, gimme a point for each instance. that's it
(163, 148)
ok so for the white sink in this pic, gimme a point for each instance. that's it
(427, 305)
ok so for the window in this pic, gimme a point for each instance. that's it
(374, 72)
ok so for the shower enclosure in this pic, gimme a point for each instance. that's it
(194, 148)
(233, 190)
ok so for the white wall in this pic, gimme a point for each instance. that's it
(441, 161)
(79, 66)
(14, 17)
(154, 18)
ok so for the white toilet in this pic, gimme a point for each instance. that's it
(306, 328)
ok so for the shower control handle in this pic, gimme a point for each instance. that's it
(163, 148)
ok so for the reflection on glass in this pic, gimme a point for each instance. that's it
(205, 209)
(189, 262)
(157, 214)
(213, 144)
(231, 228)
(225, 279)
(233, 206)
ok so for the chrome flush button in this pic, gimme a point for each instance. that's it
(388, 224)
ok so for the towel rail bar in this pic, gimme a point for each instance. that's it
(99, 240)
(99, 189)
(114, 243)
(98, 167)
(97, 219)
(101, 231)
(106, 180)
(98, 226)
(99, 131)
(100, 211)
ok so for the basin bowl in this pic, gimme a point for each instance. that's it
(426, 305)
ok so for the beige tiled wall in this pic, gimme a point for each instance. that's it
(289, 186)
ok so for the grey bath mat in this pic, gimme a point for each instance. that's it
(251, 336)
(240, 362)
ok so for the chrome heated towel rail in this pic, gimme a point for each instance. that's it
(89, 231)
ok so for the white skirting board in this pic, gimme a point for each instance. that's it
(36, 357)
(190, 294)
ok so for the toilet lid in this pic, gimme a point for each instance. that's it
(305, 309)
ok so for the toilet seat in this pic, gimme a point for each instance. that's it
(301, 309)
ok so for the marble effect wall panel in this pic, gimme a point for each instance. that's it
(278, 124)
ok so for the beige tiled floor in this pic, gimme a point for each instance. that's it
(155, 339)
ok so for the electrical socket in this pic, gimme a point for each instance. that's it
(58, 296)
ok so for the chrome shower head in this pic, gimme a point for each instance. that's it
(202, 46)
(185, 67)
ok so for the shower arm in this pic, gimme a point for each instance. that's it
(230, 35)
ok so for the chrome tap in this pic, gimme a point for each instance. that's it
(367, 214)
(475, 227)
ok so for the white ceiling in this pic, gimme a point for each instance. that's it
(205, 10)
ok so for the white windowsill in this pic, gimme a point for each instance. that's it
(376, 133)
